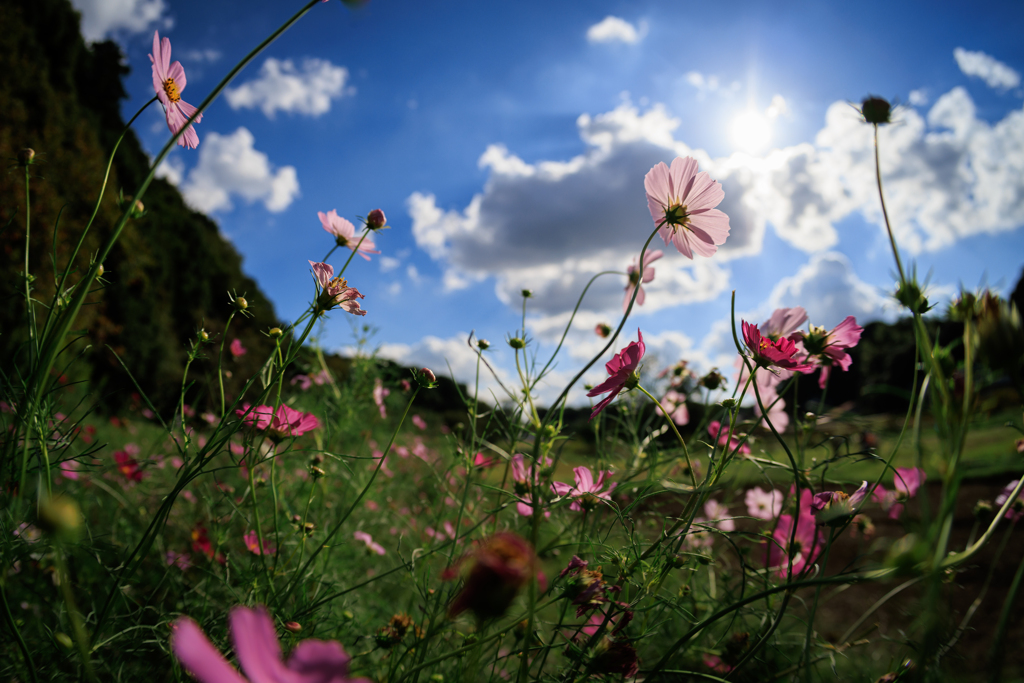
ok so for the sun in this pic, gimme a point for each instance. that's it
(751, 131)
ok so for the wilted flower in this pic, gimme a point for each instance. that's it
(638, 276)
(623, 373)
(259, 653)
(498, 567)
(345, 233)
(334, 291)
(587, 492)
(169, 82)
(681, 202)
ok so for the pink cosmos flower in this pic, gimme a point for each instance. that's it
(908, 480)
(180, 560)
(522, 482)
(808, 541)
(828, 349)
(783, 322)
(484, 461)
(770, 354)
(419, 422)
(371, 546)
(622, 372)
(836, 507)
(1014, 512)
(726, 437)
(169, 82)
(379, 394)
(763, 504)
(639, 276)
(682, 202)
(69, 469)
(285, 423)
(334, 291)
(237, 349)
(345, 233)
(128, 466)
(675, 403)
(768, 387)
(259, 653)
(252, 542)
(587, 492)
(716, 516)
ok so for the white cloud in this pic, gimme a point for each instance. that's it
(918, 98)
(208, 55)
(388, 263)
(711, 84)
(230, 165)
(282, 86)
(413, 273)
(171, 169)
(614, 29)
(103, 18)
(987, 68)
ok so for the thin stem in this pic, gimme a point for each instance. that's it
(672, 424)
(220, 361)
(885, 213)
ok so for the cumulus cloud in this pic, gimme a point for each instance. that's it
(171, 169)
(829, 290)
(282, 86)
(616, 30)
(987, 68)
(208, 55)
(103, 18)
(230, 165)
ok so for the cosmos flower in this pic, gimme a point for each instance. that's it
(829, 349)
(773, 354)
(727, 437)
(371, 546)
(763, 504)
(783, 322)
(259, 653)
(334, 291)
(286, 422)
(345, 234)
(675, 404)
(252, 542)
(169, 82)
(587, 492)
(682, 202)
(128, 466)
(836, 507)
(807, 543)
(237, 349)
(622, 371)
(638, 276)
(522, 484)
(499, 566)
(379, 394)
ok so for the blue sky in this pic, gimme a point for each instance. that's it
(507, 143)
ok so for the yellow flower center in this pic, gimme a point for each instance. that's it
(676, 215)
(171, 88)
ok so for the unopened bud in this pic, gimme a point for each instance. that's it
(426, 379)
(63, 638)
(876, 110)
(603, 330)
(483, 344)
(292, 626)
(99, 271)
(240, 303)
(527, 293)
(517, 343)
(729, 403)
(26, 156)
(375, 220)
(204, 335)
(275, 332)
(138, 209)
(316, 472)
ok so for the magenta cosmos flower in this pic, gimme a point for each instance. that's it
(522, 480)
(371, 545)
(345, 234)
(587, 492)
(334, 291)
(252, 542)
(807, 540)
(772, 354)
(259, 653)
(638, 277)
(906, 481)
(286, 422)
(727, 437)
(828, 349)
(682, 203)
(169, 82)
(622, 372)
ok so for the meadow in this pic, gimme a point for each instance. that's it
(278, 513)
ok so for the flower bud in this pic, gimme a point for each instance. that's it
(876, 110)
(99, 271)
(603, 330)
(26, 156)
(138, 209)
(292, 626)
(483, 344)
(517, 343)
(713, 380)
(527, 293)
(240, 303)
(316, 472)
(910, 295)
(375, 220)
(729, 403)
(203, 335)
(275, 332)
(426, 379)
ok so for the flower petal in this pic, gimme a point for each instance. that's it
(259, 653)
(198, 655)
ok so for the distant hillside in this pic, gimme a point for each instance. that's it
(171, 271)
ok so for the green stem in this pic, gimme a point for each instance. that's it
(814, 607)
(885, 213)
(672, 424)
(30, 667)
(220, 362)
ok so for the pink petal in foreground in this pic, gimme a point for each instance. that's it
(198, 655)
(259, 653)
